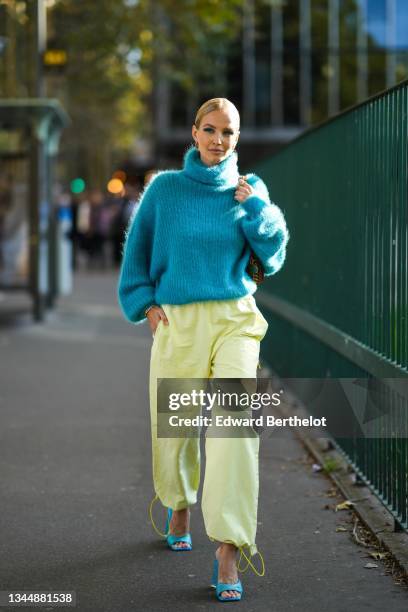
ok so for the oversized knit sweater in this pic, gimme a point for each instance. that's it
(190, 240)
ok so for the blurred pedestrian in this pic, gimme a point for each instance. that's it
(83, 222)
(14, 247)
(100, 215)
(67, 209)
(124, 208)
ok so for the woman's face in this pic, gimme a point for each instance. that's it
(216, 136)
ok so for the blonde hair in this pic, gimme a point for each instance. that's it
(215, 104)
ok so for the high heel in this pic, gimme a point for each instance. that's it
(220, 587)
(173, 539)
(170, 538)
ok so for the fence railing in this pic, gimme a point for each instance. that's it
(339, 308)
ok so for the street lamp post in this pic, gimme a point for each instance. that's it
(38, 197)
(37, 15)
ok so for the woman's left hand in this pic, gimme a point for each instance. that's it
(243, 190)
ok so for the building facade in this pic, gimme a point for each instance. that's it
(293, 64)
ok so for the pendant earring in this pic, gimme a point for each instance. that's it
(196, 144)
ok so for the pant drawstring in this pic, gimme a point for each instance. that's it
(249, 562)
(163, 535)
(248, 559)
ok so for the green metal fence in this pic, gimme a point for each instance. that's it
(339, 308)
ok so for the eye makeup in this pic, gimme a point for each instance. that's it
(227, 132)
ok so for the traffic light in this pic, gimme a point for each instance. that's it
(77, 185)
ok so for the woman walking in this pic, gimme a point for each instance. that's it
(185, 269)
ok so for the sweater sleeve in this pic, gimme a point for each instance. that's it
(265, 228)
(136, 290)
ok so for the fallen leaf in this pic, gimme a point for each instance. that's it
(341, 529)
(346, 505)
(370, 565)
(378, 555)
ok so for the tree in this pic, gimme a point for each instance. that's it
(112, 48)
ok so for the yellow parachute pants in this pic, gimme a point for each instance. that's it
(210, 339)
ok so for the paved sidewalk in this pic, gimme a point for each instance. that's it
(76, 484)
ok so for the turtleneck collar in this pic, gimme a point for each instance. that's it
(222, 175)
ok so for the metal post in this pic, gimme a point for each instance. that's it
(276, 65)
(305, 84)
(248, 61)
(161, 95)
(334, 58)
(37, 14)
(10, 63)
(38, 202)
(362, 57)
(38, 215)
(53, 266)
(391, 27)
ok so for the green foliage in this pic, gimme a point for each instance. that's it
(330, 465)
(113, 49)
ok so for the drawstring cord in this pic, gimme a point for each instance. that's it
(163, 535)
(248, 559)
(249, 562)
(241, 548)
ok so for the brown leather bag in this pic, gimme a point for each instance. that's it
(255, 269)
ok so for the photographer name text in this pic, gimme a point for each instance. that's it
(233, 421)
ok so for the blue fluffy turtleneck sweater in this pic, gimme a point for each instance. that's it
(190, 240)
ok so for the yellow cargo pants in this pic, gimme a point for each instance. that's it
(211, 339)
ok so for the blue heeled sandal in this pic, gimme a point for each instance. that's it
(173, 539)
(223, 586)
(170, 538)
(237, 586)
